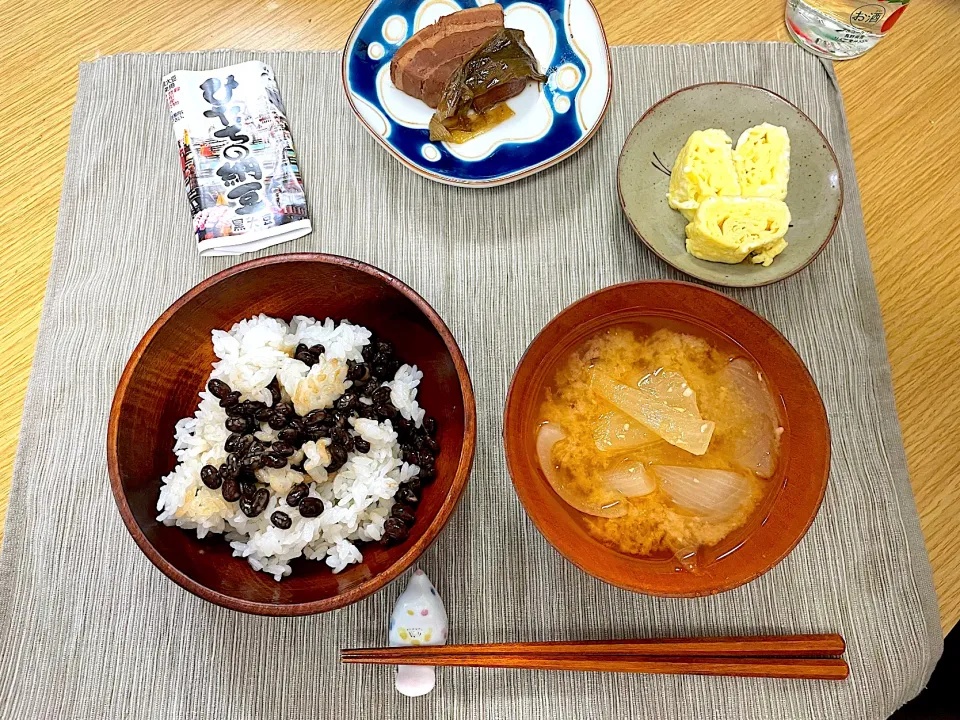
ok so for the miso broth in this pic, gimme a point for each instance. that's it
(664, 437)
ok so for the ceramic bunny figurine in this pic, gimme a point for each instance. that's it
(418, 618)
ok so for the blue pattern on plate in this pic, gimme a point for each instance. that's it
(508, 158)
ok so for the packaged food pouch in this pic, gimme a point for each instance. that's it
(237, 156)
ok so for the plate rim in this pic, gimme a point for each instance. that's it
(701, 276)
(491, 182)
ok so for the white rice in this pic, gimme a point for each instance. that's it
(356, 499)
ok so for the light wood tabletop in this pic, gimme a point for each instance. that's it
(903, 113)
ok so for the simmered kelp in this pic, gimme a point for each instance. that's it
(499, 70)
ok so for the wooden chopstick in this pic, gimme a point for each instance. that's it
(825, 645)
(798, 668)
(793, 656)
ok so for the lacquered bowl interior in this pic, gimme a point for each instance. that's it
(171, 365)
(797, 488)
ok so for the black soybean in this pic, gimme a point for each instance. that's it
(230, 400)
(306, 358)
(281, 520)
(274, 388)
(234, 410)
(277, 421)
(255, 504)
(284, 449)
(288, 435)
(317, 350)
(338, 456)
(361, 445)
(274, 460)
(430, 425)
(316, 417)
(248, 408)
(230, 490)
(342, 437)
(233, 443)
(407, 496)
(210, 477)
(295, 421)
(218, 388)
(231, 468)
(347, 401)
(252, 463)
(395, 529)
(261, 500)
(237, 424)
(315, 433)
(367, 411)
(387, 410)
(358, 372)
(247, 488)
(402, 512)
(311, 507)
(245, 443)
(297, 493)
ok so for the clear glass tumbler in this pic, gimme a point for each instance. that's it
(841, 29)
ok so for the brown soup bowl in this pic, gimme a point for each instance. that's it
(170, 366)
(797, 488)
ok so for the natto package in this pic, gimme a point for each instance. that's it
(239, 166)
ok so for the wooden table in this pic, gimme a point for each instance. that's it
(903, 112)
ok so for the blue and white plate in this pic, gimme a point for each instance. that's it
(550, 122)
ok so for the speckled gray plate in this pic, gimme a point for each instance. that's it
(815, 193)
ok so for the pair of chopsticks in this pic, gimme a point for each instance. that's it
(808, 657)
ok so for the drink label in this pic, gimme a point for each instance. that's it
(877, 17)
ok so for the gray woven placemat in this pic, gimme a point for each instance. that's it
(90, 629)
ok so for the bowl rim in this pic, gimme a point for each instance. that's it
(367, 587)
(761, 283)
(542, 524)
(459, 182)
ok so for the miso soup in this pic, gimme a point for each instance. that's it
(665, 438)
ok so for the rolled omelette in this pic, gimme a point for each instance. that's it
(762, 159)
(704, 168)
(728, 229)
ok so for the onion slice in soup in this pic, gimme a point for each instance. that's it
(614, 431)
(629, 476)
(710, 494)
(758, 444)
(671, 421)
(601, 503)
(672, 388)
